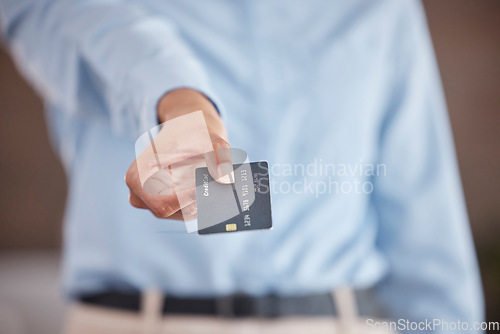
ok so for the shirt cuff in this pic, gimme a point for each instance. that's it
(149, 81)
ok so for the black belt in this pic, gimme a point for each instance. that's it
(229, 306)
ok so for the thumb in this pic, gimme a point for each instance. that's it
(219, 161)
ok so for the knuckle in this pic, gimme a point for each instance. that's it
(128, 180)
(219, 142)
(135, 204)
(156, 214)
(163, 210)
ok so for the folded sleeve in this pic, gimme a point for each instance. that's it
(121, 51)
(424, 230)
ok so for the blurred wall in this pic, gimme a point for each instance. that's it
(466, 36)
(32, 181)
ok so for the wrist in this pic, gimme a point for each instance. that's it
(182, 101)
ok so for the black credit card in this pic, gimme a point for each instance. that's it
(242, 206)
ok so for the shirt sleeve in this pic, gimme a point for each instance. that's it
(130, 56)
(424, 230)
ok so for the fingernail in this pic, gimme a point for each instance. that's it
(226, 173)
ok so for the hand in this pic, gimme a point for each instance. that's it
(161, 179)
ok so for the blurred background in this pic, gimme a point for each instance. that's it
(466, 35)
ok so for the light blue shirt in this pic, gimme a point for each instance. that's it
(334, 84)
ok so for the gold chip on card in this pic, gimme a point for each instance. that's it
(230, 227)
